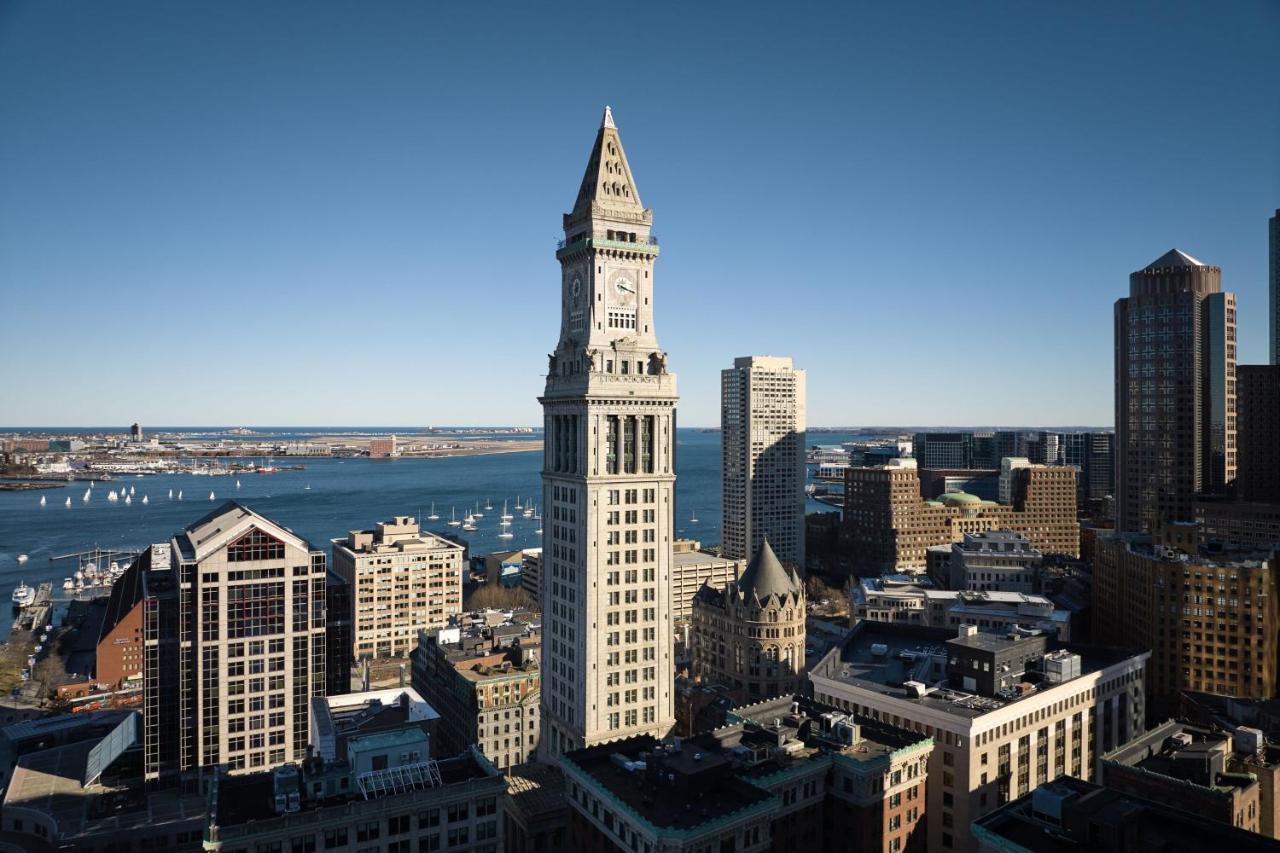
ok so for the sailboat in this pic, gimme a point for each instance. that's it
(42, 500)
(693, 519)
(87, 492)
(469, 522)
(453, 517)
(506, 516)
(433, 516)
(132, 490)
(538, 518)
(528, 510)
(146, 500)
(128, 499)
(506, 531)
(211, 496)
(112, 496)
(477, 513)
(179, 494)
(68, 503)
(171, 494)
(307, 487)
(518, 507)
(238, 484)
(488, 504)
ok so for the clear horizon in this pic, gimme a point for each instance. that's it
(277, 212)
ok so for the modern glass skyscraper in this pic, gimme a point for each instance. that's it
(1175, 374)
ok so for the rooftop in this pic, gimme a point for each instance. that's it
(683, 784)
(694, 788)
(51, 782)
(1069, 815)
(242, 799)
(883, 657)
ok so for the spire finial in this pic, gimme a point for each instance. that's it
(608, 118)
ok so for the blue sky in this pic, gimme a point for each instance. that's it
(334, 213)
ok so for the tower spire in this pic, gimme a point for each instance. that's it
(608, 181)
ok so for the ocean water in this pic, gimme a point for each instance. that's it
(344, 494)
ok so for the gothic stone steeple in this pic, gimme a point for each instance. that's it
(608, 475)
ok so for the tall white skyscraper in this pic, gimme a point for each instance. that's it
(608, 478)
(762, 444)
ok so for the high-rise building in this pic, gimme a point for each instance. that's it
(1006, 711)
(943, 449)
(1090, 453)
(1258, 432)
(1175, 374)
(233, 617)
(888, 528)
(762, 426)
(608, 474)
(1275, 287)
(1225, 643)
(402, 581)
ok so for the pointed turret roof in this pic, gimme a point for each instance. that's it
(1173, 258)
(608, 179)
(766, 576)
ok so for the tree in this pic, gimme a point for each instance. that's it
(498, 597)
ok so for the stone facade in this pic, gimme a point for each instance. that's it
(608, 474)
(750, 635)
(888, 528)
(1211, 621)
(402, 581)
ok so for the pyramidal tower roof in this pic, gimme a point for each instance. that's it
(1173, 258)
(608, 181)
(765, 576)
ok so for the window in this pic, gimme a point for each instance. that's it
(255, 545)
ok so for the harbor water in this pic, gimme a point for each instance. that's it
(323, 502)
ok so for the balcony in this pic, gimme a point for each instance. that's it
(647, 245)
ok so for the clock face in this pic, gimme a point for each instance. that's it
(575, 287)
(624, 289)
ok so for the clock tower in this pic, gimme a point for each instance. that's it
(608, 476)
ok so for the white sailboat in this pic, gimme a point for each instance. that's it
(237, 484)
(211, 496)
(476, 513)
(453, 517)
(506, 531)
(179, 494)
(171, 494)
(112, 497)
(488, 504)
(518, 507)
(42, 500)
(132, 490)
(538, 518)
(506, 516)
(693, 519)
(128, 499)
(528, 510)
(433, 516)
(87, 492)
(68, 503)
(146, 499)
(469, 522)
